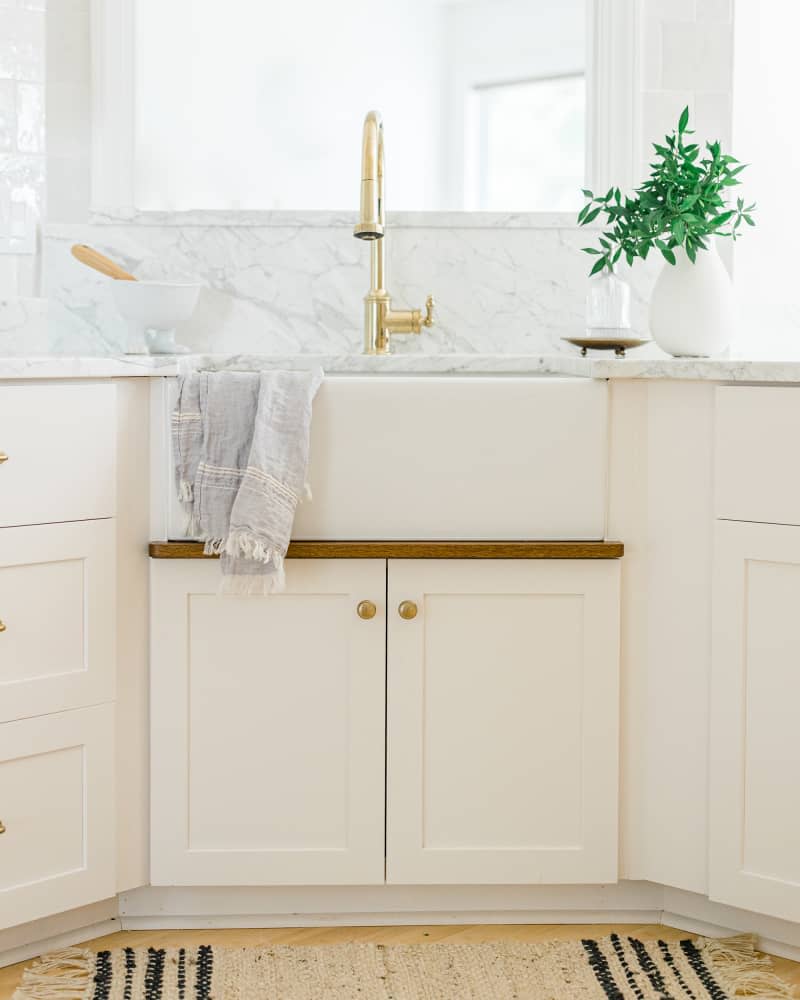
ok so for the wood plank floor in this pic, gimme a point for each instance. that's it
(237, 938)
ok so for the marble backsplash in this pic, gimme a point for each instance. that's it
(273, 287)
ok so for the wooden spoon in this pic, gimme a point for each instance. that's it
(99, 262)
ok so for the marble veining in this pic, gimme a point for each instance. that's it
(298, 289)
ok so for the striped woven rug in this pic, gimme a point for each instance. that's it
(612, 968)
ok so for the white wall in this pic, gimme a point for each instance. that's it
(68, 110)
(686, 59)
(765, 132)
(22, 72)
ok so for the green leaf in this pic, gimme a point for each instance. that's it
(668, 255)
(591, 216)
(749, 220)
(599, 265)
(587, 193)
(683, 121)
(591, 250)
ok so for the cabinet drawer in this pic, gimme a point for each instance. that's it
(57, 813)
(757, 476)
(58, 442)
(57, 610)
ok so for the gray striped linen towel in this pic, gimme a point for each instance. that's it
(241, 446)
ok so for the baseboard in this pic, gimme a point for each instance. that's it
(388, 919)
(383, 903)
(178, 908)
(40, 946)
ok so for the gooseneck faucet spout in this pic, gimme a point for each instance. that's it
(380, 320)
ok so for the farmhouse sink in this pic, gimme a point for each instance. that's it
(446, 457)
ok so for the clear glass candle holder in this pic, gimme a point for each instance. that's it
(608, 306)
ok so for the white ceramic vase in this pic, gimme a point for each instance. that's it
(692, 312)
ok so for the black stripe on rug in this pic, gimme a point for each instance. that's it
(181, 977)
(602, 971)
(623, 961)
(676, 972)
(695, 959)
(650, 969)
(130, 968)
(103, 975)
(154, 974)
(205, 968)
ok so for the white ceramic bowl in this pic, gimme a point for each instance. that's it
(152, 310)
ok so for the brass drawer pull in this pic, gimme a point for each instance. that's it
(366, 610)
(3, 626)
(2, 827)
(3, 457)
(407, 610)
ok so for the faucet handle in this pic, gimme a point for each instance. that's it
(429, 304)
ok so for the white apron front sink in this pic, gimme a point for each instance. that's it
(449, 457)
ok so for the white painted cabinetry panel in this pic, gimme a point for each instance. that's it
(757, 477)
(754, 850)
(268, 727)
(503, 722)
(57, 851)
(57, 607)
(59, 443)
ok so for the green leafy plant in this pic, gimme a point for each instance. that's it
(682, 204)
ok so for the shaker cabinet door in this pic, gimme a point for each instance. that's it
(754, 849)
(57, 617)
(57, 847)
(502, 721)
(268, 727)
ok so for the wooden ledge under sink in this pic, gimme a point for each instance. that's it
(416, 550)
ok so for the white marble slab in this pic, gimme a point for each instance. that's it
(698, 369)
(273, 288)
(60, 367)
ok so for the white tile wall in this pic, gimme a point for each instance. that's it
(686, 58)
(68, 111)
(22, 188)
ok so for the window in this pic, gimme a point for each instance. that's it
(531, 142)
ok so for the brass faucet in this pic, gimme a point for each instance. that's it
(380, 320)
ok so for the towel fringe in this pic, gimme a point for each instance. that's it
(61, 975)
(740, 970)
(253, 585)
(246, 545)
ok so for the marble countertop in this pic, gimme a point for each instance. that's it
(697, 369)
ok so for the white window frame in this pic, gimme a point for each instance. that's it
(613, 112)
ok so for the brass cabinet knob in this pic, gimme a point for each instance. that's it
(366, 610)
(2, 827)
(3, 457)
(407, 610)
(2, 626)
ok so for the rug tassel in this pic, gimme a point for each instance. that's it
(61, 975)
(741, 971)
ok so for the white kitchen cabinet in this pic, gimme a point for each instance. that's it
(57, 452)
(754, 849)
(267, 720)
(57, 615)
(57, 848)
(503, 722)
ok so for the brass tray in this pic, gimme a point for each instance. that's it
(616, 344)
